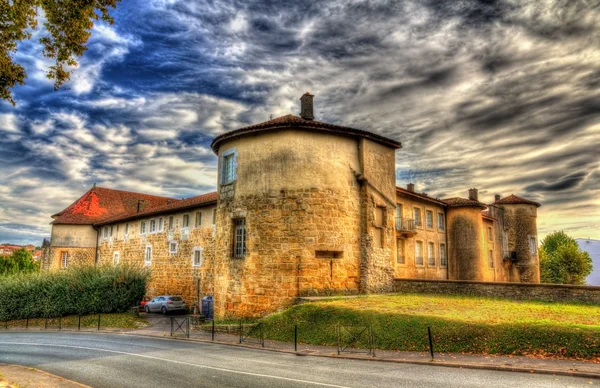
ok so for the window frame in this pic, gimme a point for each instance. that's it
(146, 261)
(143, 228)
(64, 259)
(152, 226)
(171, 223)
(427, 225)
(491, 258)
(400, 251)
(239, 248)
(441, 221)
(116, 258)
(533, 248)
(419, 243)
(185, 221)
(105, 233)
(418, 222)
(225, 177)
(443, 257)
(199, 250)
(171, 251)
(490, 233)
(198, 219)
(432, 245)
(161, 224)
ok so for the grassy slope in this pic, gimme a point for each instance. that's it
(458, 324)
(112, 320)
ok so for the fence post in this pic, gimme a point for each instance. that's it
(262, 335)
(171, 326)
(46, 323)
(98, 321)
(372, 340)
(78, 322)
(6, 325)
(27, 323)
(295, 338)
(213, 330)
(187, 321)
(60, 323)
(339, 338)
(430, 342)
(241, 330)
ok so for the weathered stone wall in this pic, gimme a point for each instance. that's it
(82, 236)
(465, 245)
(426, 235)
(172, 273)
(517, 291)
(52, 260)
(521, 223)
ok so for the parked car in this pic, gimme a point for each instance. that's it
(165, 303)
(142, 305)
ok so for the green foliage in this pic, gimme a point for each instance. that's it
(21, 261)
(561, 260)
(318, 323)
(69, 23)
(81, 290)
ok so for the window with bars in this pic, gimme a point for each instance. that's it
(143, 227)
(443, 259)
(430, 254)
(419, 253)
(64, 259)
(152, 226)
(198, 257)
(239, 238)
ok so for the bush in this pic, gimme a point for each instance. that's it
(21, 261)
(83, 290)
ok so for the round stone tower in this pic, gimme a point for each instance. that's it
(466, 259)
(520, 226)
(305, 208)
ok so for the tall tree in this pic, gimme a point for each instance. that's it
(561, 260)
(21, 260)
(69, 24)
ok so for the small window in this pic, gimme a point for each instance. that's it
(64, 259)
(431, 254)
(491, 258)
(198, 257)
(126, 229)
(400, 254)
(441, 221)
(417, 213)
(173, 245)
(152, 226)
(171, 223)
(116, 258)
(111, 231)
(214, 216)
(443, 260)
(228, 166)
(161, 223)
(143, 227)
(532, 245)
(490, 233)
(148, 255)
(239, 238)
(186, 221)
(429, 219)
(105, 232)
(419, 253)
(198, 219)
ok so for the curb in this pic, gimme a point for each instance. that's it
(37, 370)
(556, 372)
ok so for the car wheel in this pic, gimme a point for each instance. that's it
(163, 310)
(147, 309)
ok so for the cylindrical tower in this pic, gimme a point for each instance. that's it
(290, 210)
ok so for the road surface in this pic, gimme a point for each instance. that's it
(113, 360)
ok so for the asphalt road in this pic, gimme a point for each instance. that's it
(113, 360)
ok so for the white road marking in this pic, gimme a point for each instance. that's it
(176, 362)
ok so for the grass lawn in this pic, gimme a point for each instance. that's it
(113, 320)
(458, 324)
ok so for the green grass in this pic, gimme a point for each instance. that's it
(112, 320)
(459, 325)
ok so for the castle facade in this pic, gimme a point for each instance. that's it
(302, 208)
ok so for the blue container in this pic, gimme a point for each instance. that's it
(208, 307)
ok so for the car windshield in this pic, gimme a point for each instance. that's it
(175, 298)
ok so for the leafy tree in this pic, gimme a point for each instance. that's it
(21, 261)
(68, 23)
(561, 260)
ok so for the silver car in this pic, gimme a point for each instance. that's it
(165, 303)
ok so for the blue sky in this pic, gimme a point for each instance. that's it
(499, 95)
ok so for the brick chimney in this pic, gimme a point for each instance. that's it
(411, 187)
(497, 197)
(473, 195)
(306, 106)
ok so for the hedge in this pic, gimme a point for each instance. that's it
(83, 290)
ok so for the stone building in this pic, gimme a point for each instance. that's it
(302, 207)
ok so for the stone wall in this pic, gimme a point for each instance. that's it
(520, 222)
(52, 258)
(516, 291)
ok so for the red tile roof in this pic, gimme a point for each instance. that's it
(421, 196)
(184, 204)
(100, 203)
(516, 200)
(291, 121)
(461, 202)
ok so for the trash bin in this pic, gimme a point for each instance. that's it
(208, 306)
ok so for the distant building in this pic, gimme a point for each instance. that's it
(302, 207)
(593, 248)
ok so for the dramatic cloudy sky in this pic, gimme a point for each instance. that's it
(499, 95)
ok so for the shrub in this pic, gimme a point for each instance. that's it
(82, 290)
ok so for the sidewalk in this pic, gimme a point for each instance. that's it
(20, 376)
(161, 328)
